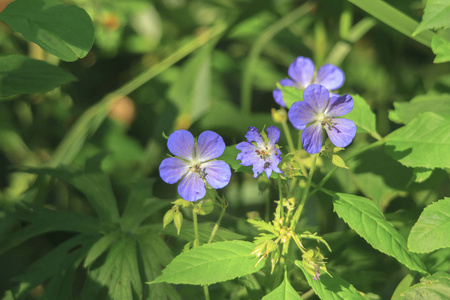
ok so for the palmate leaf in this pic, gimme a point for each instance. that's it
(436, 287)
(424, 142)
(284, 291)
(62, 30)
(22, 75)
(211, 263)
(331, 288)
(431, 231)
(435, 16)
(363, 216)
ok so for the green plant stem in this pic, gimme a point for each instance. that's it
(194, 219)
(263, 39)
(206, 291)
(280, 194)
(91, 120)
(216, 226)
(298, 212)
(364, 149)
(287, 133)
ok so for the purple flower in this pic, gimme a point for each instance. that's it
(301, 72)
(194, 163)
(261, 152)
(317, 111)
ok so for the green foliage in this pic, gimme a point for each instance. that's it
(441, 48)
(435, 16)
(62, 30)
(22, 75)
(331, 287)
(405, 112)
(436, 286)
(368, 221)
(363, 117)
(284, 291)
(211, 263)
(291, 95)
(423, 142)
(431, 230)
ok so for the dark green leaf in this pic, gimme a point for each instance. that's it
(368, 221)
(62, 30)
(23, 75)
(431, 231)
(211, 263)
(424, 142)
(103, 244)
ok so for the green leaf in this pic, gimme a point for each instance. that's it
(119, 272)
(363, 216)
(94, 184)
(103, 244)
(62, 30)
(405, 112)
(363, 117)
(431, 230)
(394, 18)
(331, 288)
(436, 287)
(44, 220)
(229, 156)
(23, 75)
(140, 204)
(211, 263)
(435, 16)
(424, 142)
(60, 262)
(441, 48)
(421, 174)
(284, 291)
(291, 95)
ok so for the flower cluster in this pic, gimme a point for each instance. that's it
(301, 72)
(195, 163)
(261, 152)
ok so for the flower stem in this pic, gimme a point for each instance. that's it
(206, 291)
(216, 226)
(287, 132)
(280, 194)
(194, 217)
(298, 212)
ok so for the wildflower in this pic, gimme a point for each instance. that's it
(261, 152)
(301, 72)
(317, 111)
(194, 163)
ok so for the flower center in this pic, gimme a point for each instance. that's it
(263, 153)
(197, 168)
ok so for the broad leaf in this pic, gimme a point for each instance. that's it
(363, 216)
(62, 30)
(405, 112)
(211, 263)
(441, 48)
(331, 288)
(284, 291)
(436, 287)
(424, 142)
(431, 231)
(229, 156)
(435, 16)
(363, 117)
(22, 75)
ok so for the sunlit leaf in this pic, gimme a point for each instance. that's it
(291, 95)
(436, 287)
(284, 291)
(62, 30)
(424, 142)
(431, 231)
(211, 263)
(22, 75)
(363, 117)
(363, 216)
(435, 16)
(441, 48)
(405, 112)
(332, 288)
